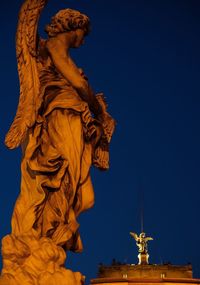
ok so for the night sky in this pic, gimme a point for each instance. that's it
(145, 57)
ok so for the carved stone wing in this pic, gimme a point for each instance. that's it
(26, 51)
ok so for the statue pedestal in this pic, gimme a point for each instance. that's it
(143, 258)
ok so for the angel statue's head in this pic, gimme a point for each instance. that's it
(68, 20)
(142, 235)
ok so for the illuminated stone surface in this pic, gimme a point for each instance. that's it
(145, 274)
(63, 128)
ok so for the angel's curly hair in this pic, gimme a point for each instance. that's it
(67, 20)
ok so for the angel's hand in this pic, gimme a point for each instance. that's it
(102, 102)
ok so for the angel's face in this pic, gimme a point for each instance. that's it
(79, 35)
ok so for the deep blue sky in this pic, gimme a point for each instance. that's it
(145, 56)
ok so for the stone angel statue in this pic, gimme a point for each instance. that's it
(141, 241)
(63, 129)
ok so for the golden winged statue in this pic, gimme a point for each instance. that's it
(141, 241)
(63, 128)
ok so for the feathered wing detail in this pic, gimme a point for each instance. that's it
(26, 50)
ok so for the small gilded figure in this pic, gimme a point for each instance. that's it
(141, 242)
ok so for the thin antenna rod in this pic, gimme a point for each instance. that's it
(142, 209)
